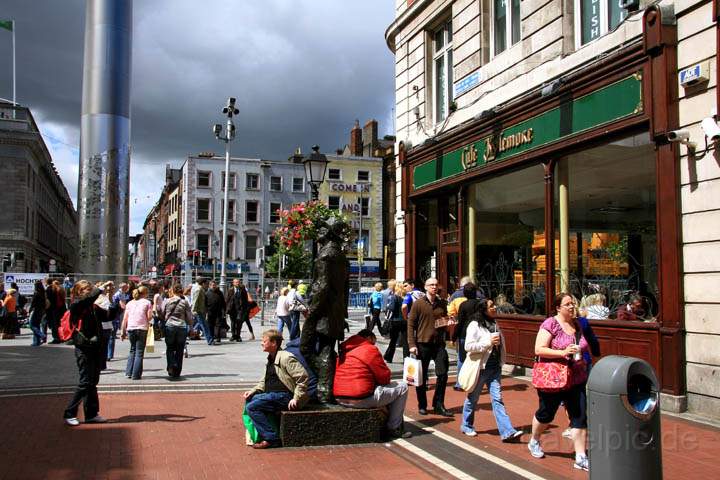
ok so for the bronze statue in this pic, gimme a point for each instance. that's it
(325, 322)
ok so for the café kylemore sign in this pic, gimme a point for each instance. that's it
(603, 106)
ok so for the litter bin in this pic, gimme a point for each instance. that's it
(624, 420)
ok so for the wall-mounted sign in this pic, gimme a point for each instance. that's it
(603, 106)
(468, 83)
(694, 74)
(350, 187)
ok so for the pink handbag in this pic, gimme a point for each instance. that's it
(551, 376)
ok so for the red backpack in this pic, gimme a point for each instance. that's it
(66, 328)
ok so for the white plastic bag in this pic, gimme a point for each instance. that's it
(412, 371)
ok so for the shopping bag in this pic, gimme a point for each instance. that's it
(150, 342)
(412, 371)
(469, 373)
(251, 433)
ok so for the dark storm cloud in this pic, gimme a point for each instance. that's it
(302, 71)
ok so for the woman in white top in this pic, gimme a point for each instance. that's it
(283, 310)
(484, 344)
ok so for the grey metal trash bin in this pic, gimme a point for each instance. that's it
(623, 409)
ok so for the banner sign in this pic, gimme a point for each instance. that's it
(25, 281)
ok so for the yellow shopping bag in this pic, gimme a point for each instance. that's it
(150, 342)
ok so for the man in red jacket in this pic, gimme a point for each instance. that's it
(362, 380)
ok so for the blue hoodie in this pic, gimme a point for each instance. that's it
(293, 346)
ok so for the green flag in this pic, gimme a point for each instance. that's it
(7, 24)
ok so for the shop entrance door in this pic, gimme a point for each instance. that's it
(449, 269)
(449, 258)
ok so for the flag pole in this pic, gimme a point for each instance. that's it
(13, 49)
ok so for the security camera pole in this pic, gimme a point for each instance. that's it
(230, 110)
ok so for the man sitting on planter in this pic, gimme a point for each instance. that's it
(284, 387)
(362, 380)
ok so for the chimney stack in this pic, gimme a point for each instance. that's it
(369, 137)
(356, 140)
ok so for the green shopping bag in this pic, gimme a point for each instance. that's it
(251, 434)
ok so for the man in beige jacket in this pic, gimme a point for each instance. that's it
(284, 387)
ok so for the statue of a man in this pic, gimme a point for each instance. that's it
(325, 322)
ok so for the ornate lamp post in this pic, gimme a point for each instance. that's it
(229, 136)
(315, 167)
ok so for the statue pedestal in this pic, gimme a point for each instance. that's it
(331, 425)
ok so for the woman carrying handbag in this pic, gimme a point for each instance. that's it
(485, 354)
(559, 376)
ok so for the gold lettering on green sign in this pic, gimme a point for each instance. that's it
(490, 150)
(468, 156)
(516, 139)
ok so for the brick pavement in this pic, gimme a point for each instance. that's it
(199, 435)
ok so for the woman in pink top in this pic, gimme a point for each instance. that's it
(135, 324)
(561, 339)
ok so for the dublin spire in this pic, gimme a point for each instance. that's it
(104, 179)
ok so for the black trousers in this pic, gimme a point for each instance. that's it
(244, 317)
(88, 361)
(235, 326)
(215, 322)
(437, 353)
(374, 320)
(398, 333)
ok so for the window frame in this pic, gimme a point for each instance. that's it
(272, 210)
(209, 209)
(231, 210)
(256, 176)
(339, 202)
(270, 183)
(257, 211)
(197, 178)
(253, 249)
(208, 245)
(446, 53)
(604, 21)
(302, 184)
(360, 202)
(339, 170)
(369, 176)
(233, 181)
(508, 28)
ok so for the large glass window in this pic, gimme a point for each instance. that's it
(606, 237)
(506, 24)
(509, 240)
(442, 70)
(251, 245)
(598, 17)
(203, 209)
(203, 179)
(251, 212)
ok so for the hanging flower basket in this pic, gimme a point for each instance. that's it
(302, 223)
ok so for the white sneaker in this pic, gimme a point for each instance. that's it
(470, 433)
(96, 419)
(582, 463)
(567, 433)
(535, 449)
(73, 422)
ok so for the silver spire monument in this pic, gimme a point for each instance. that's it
(104, 180)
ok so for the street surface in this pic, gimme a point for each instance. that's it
(192, 428)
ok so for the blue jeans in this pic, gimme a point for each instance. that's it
(175, 338)
(294, 325)
(491, 378)
(111, 340)
(202, 325)
(134, 367)
(263, 404)
(461, 353)
(38, 336)
(282, 321)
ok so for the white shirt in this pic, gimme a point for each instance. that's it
(282, 309)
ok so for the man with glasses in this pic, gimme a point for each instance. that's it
(428, 343)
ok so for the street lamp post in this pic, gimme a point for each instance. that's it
(315, 167)
(229, 135)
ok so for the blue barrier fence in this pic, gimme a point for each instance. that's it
(359, 299)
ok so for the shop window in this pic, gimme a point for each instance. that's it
(442, 71)
(608, 259)
(275, 208)
(509, 240)
(597, 17)
(298, 185)
(363, 242)
(506, 24)
(203, 209)
(203, 179)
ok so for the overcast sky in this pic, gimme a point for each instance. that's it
(302, 72)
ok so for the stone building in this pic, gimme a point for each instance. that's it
(39, 224)
(537, 153)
